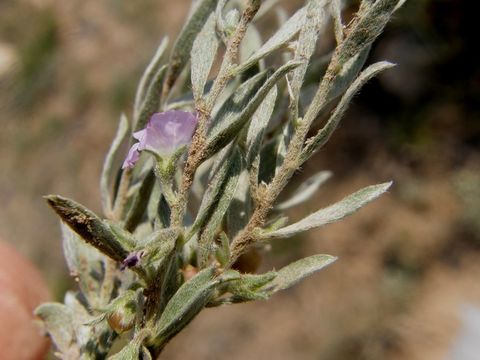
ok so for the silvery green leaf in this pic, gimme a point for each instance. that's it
(258, 125)
(223, 250)
(124, 237)
(366, 29)
(282, 17)
(221, 25)
(324, 134)
(238, 110)
(84, 263)
(140, 202)
(146, 354)
(148, 75)
(203, 54)
(217, 212)
(252, 41)
(106, 176)
(89, 226)
(183, 46)
(164, 212)
(279, 39)
(348, 74)
(307, 39)
(249, 287)
(59, 324)
(336, 11)
(151, 102)
(212, 194)
(170, 280)
(332, 213)
(267, 5)
(153, 202)
(185, 304)
(400, 4)
(130, 352)
(241, 206)
(296, 271)
(92, 337)
(283, 143)
(201, 179)
(158, 244)
(306, 190)
(231, 110)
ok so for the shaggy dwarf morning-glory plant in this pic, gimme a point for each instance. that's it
(211, 149)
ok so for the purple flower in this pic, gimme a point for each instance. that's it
(132, 260)
(164, 134)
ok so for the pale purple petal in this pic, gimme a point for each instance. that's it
(164, 134)
(140, 136)
(168, 131)
(132, 157)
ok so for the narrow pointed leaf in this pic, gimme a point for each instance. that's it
(286, 33)
(250, 287)
(151, 102)
(240, 108)
(106, 175)
(348, 74)
(366, 29)
(336, 11)
(241, 206)
(187, 302)
(212, 194)
(183, 46)
(305, 191)
(84, 263)
(250, 44)
(59, 324)
(203, 54)
(148, 75)
(332, 213)
(226, 193)
(294, 272)
(258, 125)
(140, 202)
(314, 20)
(89, 226)
(324, 134)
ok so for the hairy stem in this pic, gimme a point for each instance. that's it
(204, 109)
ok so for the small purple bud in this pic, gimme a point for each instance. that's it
(164, 134)
(132, 260)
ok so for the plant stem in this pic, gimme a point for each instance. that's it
(204, 109)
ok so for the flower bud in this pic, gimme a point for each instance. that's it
(122, 312)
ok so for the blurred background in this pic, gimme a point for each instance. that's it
(407, 283)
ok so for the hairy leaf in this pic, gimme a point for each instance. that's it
(217, 212)
(324, 134)
(148, 76)
(106, 176)
(239, 109)
(258, 125)
(183, 46)
(286, 33)
(203, 54)
(296, 271)
(89, 226)
(306, 190)
(151, 103)
(332, 213)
